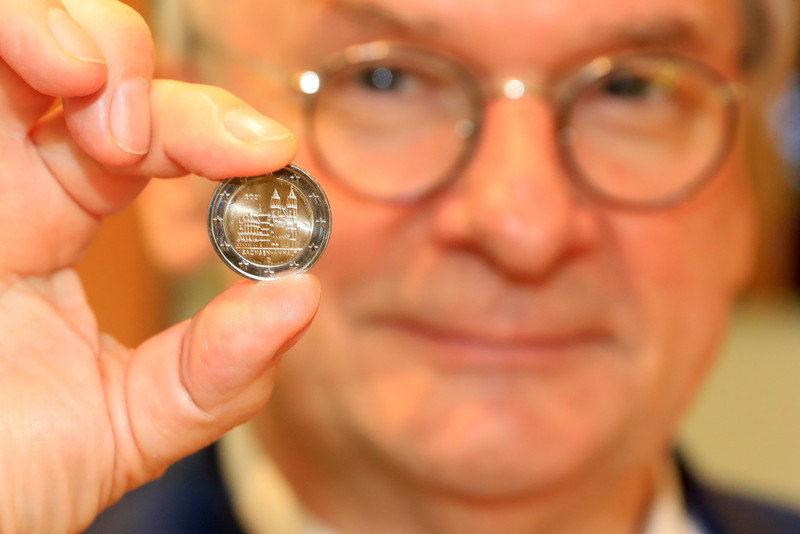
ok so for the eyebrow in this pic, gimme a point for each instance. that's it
(659, 31)
(382, 17)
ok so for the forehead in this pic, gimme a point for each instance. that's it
(519, 31)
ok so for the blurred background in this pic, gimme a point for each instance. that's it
(744, 429)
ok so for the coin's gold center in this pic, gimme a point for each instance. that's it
(269, 221)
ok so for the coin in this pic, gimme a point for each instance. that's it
(271, 225)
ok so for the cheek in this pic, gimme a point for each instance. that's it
(367, 238)
(361, 239)
(703, 247)
(683, 268)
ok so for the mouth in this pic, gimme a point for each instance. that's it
(493, 346)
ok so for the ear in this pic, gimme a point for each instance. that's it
(172, 214)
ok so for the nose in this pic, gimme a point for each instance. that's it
(515, 204)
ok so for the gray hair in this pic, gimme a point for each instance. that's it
(769, 37)
(756, 37)
(768, 33)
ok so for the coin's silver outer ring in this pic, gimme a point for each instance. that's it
(320, 233)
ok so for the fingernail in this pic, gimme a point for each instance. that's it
(252, 127)
(73, 38)
(129, 116)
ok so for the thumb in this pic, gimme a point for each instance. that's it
(185, 387)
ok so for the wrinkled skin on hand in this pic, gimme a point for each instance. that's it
(82, 418)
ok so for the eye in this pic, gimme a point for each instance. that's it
(381, 78)
(627, 85)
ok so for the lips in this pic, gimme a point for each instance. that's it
(455, 308)
(490, 344)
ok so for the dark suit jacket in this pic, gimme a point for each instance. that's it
(190, 499)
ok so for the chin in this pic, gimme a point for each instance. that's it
(497, 432)
(486, 453)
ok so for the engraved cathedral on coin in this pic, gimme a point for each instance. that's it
(267, 231)
(271, 225)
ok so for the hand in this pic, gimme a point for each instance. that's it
(83, 419)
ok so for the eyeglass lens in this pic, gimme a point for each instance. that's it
(394, 128)
(648, 129)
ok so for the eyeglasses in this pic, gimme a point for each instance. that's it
(398, 122)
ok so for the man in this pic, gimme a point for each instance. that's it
(540, 221)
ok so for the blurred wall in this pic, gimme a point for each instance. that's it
(744, 429)
(129, 296)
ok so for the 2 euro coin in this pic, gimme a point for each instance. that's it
(271, 225)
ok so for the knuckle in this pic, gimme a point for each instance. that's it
(119, 29)
(133, 23)
(132, 34)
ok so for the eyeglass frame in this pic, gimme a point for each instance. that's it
(479, 94)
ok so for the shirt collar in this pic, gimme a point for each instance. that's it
(668, 514)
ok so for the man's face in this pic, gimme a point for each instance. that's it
(508, 333)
